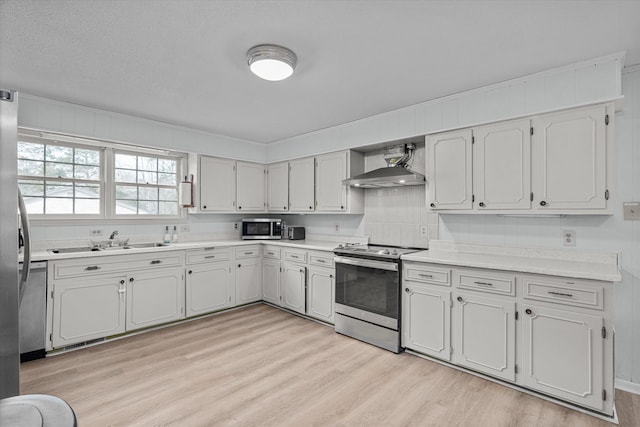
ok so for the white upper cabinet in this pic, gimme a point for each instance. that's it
(302, 185)
(570, 160)
(331, 194)
(278, 187)
(250, 187)
(502, 166)
(217, 184)
(449, 170)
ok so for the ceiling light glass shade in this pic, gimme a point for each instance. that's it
(271, 62)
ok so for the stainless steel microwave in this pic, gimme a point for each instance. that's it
(261, 228)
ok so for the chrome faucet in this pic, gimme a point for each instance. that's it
(114, 234)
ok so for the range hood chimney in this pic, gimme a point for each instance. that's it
(396, 174)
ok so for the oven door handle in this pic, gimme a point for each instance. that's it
(359, 262)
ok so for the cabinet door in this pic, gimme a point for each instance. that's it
(569, 160)
(208, 287)
(562, 354)
(321, 295)
(301, 185)
(217, 184)
(331, 194)
(271, 281)
(250, 187)
(248, 281)
(278, 187)
(426, 320)
(87, 309)
(502, 166)
(484, 334)
(155, 297)
(449, 170)
(294, 287)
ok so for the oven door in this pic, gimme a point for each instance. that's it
(368, 290)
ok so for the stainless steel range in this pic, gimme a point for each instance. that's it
(368, 293)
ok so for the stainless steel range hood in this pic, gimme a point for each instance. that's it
(397, 174)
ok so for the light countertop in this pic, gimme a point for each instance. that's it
(556, 262)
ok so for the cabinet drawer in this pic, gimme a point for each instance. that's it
(208, 255)
(250, 251)
(271, 252)
(427, 274)
(322, 259)
(110, 264)
(486, 281)
(567, 292)
(295, 256)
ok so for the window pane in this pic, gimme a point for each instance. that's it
(168, 194)
(59, 154)
(126, 192)
(31, 188)
(60, 190)
(35, 205)
(123, 175)
(167, 179)
(126, 207)
(87, 157)
(59, 206)
(125, 161)
(28, 150)
(87, 172)
(30, 168)
(87, 206)
(61, 170)
(145, 193)
(168, 208)
(166, 165)
(148, 163)
(87, 191)
(147, 177)
(147, 208)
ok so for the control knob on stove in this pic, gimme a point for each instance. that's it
(385, 252)
(394, 252)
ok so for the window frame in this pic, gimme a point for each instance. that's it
(107, 178)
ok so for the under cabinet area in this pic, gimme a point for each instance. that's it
(547, 334)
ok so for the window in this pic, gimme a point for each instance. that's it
(65, 179)
(59, 179)
(145, 185)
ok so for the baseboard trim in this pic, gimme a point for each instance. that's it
(627, 386)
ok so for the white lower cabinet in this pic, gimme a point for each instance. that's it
(294, 278)
(321, 293)
(87, 309)
(248, 274)
(485, 334)
(155, 297)
(209, 287)
(426, 320)
(562, 354)
(271, 281)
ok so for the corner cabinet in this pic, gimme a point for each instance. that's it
(278, 187)
(555, 163)
(250, 187)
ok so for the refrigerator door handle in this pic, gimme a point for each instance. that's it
(24, 219)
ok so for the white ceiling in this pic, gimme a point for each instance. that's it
(184, 62)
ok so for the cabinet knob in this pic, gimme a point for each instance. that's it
(122, 282)
(284, 207)
(528, 311)
(239, 265)
(331, 276)
(481, 204)
(341, 206)
(407, 290)
(190, 271)
(310, 207)
(204, 207)
(131, 279)
(543, 203)
(433, 205)
(239, 207)
(459, 299)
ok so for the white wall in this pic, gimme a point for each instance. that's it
(607, 233)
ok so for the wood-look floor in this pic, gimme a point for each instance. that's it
(262, 366)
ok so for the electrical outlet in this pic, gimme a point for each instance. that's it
(568, 238)
(184, 228)
(337, 227)
(424, 232)
(96, 232)
(631, 211)
(235, 225)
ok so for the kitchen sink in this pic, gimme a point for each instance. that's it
(144, 245)
(73, 250)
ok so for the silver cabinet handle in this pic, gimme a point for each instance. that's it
(209, 257)
(560, 294)
(92, 268)
(484, 283)
(429, 276)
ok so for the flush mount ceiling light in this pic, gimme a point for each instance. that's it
(271, 62)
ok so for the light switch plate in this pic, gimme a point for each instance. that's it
(631, 211)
